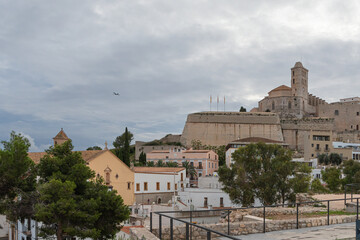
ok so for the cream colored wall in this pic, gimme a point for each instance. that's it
(346, 153)
(125, 175)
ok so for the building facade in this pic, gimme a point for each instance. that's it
(158, 184)
(206, 162)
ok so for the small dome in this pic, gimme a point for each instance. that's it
(298, 64)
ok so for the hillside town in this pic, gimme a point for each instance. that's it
(190, 171)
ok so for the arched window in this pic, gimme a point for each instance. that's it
(289, 105)
(273, 105)
(107, 178)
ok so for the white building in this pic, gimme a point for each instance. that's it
(158, 184)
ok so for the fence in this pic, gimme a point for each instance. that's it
(209, 231)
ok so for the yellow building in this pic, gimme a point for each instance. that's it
(117, 175)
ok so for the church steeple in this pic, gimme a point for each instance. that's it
(60, 138)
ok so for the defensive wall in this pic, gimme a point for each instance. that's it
(220, 128)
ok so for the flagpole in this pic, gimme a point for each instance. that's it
(210, 102)
(217, 104)
(224, 103)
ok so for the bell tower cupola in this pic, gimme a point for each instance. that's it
(60, 138)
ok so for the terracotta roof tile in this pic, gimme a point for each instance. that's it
(61, 135)
(281, 88)
(86, 155)
(157, 169)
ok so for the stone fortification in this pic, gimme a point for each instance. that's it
(220, 128)
(295, 130)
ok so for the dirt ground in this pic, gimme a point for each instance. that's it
(335, 205)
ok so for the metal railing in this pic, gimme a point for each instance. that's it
(209, 231)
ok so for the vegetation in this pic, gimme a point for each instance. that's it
(242, 109)
(159, 142)
(94, 148)
(332, 178)
(70, 204)
(17, 178)
(333, 159)
(219, 150)
(66, 198)
(142, 159)
(190, 170)
(317, 187)
(122, 146)
(351, 171)
(263, 171)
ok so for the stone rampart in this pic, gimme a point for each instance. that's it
(243, 228)
(220, 128)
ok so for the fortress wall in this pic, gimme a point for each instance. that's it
(348, 117)
(221, 128)
(295, 130)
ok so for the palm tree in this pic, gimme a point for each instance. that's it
(171, 164)
(190, 170)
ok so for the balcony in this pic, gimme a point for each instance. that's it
(318, 149)
(327, 150)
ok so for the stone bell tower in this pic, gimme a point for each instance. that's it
(299, 88)
(60, 138)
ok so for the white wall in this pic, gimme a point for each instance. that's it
(4, 229)
(163, 179)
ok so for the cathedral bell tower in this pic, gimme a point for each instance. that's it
(299, 87)
(60, 138)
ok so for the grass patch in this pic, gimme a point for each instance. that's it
(330, 212)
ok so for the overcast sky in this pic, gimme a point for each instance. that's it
(61, 61)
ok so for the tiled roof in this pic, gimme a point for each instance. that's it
(281, 88)
(196, 151)
(86, 155)
(157, 169)
(61, 135)
(160, 151)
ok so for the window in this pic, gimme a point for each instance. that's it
(167, 157)
(326, 147)
(336, 112)
(129, 185)
(138, 187)
(317, 146)
(175, 186)
(168, 186)
(158, 186)
(289, 105)
(183, 157)
(209, 155)
(312, 145)
(182, 185)
(273, 105)
(200, 165)
(357, 113)
(221, 202)
(293, 73)
(117, 176)
(182, 176)
(205, 202)
(209, 165)
(145, 186)
(107, 180)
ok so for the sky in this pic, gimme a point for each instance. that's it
(61, 61)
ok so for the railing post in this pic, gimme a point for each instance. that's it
(357, 209)
(151, 221)
(159, 226)
(264, 221)
(328, 213)
(208, 237)
(187, 231)
(171, 229)
(297, 215)
(191, 225)
(228, 222)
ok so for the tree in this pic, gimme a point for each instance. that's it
(190, 170)
(259, 171)
(351, 171)
(317, 187)
(122, 146)
(302, 178)
(171, 164)
(142, 159)
(242, 109)
(94, 148)
(335, 159)
(323, 159)
(17, 178)
(72, 203)
(331, 176)
(160, 163)
(150, 164)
